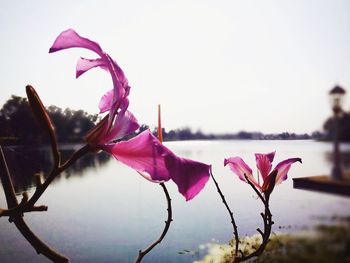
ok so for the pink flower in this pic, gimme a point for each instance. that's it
(270, 177)
(115, 101)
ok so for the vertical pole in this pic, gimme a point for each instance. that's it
(336, 170)
(160, 131)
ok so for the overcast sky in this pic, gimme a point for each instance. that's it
(218, 66)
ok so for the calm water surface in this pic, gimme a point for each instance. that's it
(102, 211)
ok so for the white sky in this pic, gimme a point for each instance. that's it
(218, 66)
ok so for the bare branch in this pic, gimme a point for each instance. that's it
(166, 228)
(265, 234)
(235, 230)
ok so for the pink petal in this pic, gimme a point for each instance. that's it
(120, 86)
(117, 71)
(143, 153)
(147, 155)
(85, 64)
(106, 101)
(283, 168)
(124, 124)
(264, 163)
(190, 176)
(271, 156)
(240, 168)
(70, 39)
(122, 105)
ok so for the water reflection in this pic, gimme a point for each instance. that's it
(25, 162)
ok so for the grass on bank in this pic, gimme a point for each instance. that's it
(325, 243)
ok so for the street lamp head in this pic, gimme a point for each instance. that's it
(337, 95)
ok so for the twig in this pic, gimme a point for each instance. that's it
(6, 182)
(18, 209)
(56, 171)
(28, 206)
(38, 245)
(267, 219)
(235, 230)
(256, 190)
(166, 228)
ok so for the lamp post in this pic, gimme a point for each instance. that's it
(336, 95)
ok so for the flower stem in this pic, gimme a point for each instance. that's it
(165, 230)
(267, 219)
(235, 230)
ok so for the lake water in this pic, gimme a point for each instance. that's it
(107, 212)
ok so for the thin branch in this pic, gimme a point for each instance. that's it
(7, 182)
(261, 232)
(256, 190)
(235, 230)
(29, 205)
(17, 210)
(21, 209)
(267, 219)
(166, 228)
(37, 244)
(56, 171)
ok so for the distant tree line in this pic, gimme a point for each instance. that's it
(188, 134)
(18, 126)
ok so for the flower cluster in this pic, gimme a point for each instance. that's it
(270, 177)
